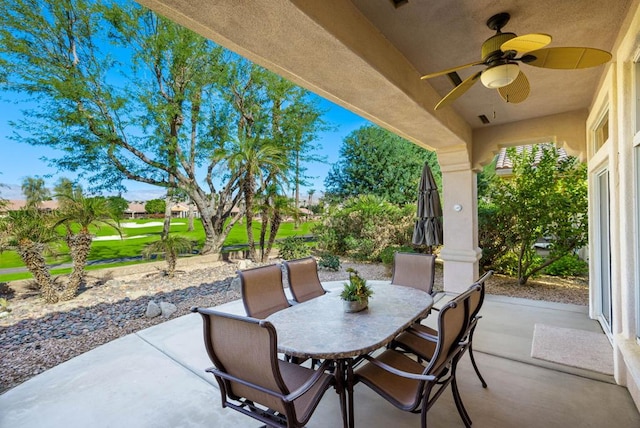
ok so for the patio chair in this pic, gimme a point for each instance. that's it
(413, 340)
(252, 379)
(263, 294)
(262, 291)
(304, 282)
(409, 385)
(414, 270)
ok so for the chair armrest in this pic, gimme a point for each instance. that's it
(395, 371)
(289, 397)
(309, 383)
(227, 376)
(423, 335)
(442, 297)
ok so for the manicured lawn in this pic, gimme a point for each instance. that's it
(134, 239)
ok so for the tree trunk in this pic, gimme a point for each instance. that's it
(521, 279)
(213, 237)
(275, 225)
(167, 217)
(79, 247)
(31, 254)
(248, 201)
(296, 217)
(191, 216)
(213, 223)
(171, 262)
(263, 231)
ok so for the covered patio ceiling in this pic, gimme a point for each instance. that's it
(368, 56)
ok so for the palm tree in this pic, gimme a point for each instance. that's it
(35, 191)
(63, 189)
(310, 200)
(31, 231)
(84, 212)
(280, 207)
(171, 246)
(250, 158)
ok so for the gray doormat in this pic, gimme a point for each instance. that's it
(576, 348)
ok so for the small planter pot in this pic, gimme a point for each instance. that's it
(355, 306)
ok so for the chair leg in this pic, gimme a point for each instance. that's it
(458, 400)
(475, 366)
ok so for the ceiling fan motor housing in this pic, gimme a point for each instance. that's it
(491, 47)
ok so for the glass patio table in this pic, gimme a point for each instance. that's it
(321, 329)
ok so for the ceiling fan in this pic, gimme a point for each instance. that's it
(501, 54)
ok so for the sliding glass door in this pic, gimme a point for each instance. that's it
(603, 249)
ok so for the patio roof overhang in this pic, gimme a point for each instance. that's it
(368, 56)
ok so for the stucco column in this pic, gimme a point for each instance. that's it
(460, 253)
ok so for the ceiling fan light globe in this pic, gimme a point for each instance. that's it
(500, 75)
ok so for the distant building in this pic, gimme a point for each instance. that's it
(17, 204)
(181, 210)
(504, 165)
(135, 210)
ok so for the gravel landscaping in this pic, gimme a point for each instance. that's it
(35, 337)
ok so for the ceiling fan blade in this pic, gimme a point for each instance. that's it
(450, 70)
(569, 58)
(517, 91)
(526, 43)
(458, 90)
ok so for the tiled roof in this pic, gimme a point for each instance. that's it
(16, 204)
(135, 208)
(504, 163)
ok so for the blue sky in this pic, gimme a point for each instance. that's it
(19, 160)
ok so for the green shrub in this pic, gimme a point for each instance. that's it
(361, 227)
(387, 255)
(329, 262)
(493, 234)
(508, 264)
(570, 265)
(294, 247)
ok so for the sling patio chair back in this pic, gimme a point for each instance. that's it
(412, 339)
(409, 385)
(304, 282)
(262, 291)
(252, 379)
(414, 270)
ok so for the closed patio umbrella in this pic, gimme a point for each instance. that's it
(428, 226)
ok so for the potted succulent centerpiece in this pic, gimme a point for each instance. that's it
(356, 292)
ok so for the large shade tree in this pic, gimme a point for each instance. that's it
(376, 162)
(545, 197)
(124, 93)
(295, 126)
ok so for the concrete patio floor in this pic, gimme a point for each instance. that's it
(155, 378)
